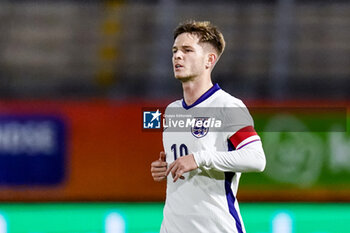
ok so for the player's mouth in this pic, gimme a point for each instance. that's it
(178, 67)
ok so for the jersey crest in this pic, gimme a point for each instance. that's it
(199, 128)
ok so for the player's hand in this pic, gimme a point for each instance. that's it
(159, 167)
(180, 166)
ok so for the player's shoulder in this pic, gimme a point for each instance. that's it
(225, 99)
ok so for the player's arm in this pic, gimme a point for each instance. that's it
(249, 155)
(159, 168)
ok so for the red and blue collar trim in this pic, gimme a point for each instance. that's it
(203, 97)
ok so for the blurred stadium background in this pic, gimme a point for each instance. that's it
(75, 75)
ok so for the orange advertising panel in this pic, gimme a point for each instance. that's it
(107, 156)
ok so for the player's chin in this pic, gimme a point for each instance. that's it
(182, 78)
(178, 76)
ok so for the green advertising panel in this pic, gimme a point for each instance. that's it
(147, 217)
(306, 150)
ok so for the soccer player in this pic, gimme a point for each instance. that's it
(202, 165)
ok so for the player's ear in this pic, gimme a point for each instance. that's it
(211, 59)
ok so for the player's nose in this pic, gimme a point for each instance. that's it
(177, 55)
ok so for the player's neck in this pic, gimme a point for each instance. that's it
(194, 89)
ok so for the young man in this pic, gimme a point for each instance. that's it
(202, 165)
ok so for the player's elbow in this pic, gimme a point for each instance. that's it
(261, 161)
(258, 158)
(262, 164)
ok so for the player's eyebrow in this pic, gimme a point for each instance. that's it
(187, 47)
(183, 46)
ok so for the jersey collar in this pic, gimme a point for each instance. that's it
(203, 97)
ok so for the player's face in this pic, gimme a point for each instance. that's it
(188, 57)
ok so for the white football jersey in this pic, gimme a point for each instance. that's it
(205, 201)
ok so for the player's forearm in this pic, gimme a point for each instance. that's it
(251, 158)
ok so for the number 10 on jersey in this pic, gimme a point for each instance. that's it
(182, 149)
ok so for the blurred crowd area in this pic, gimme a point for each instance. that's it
(282, 49)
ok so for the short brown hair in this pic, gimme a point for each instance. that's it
(207, 33)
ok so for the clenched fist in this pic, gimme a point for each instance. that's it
(159, 167)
